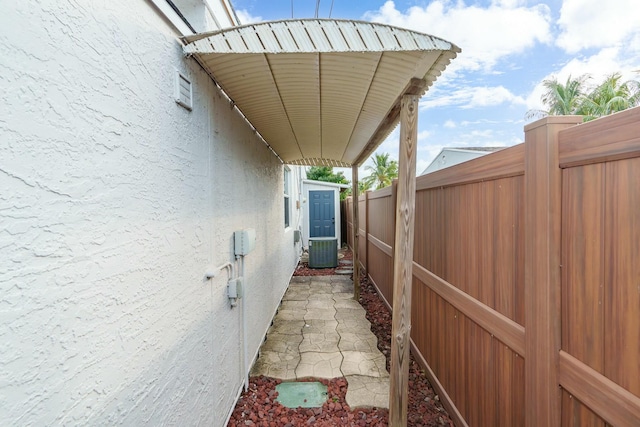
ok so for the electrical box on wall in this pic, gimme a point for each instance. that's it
(245, 241)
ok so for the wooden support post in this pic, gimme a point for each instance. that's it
(542, 218)
(366, 233)
(356, 239)
(403, 262)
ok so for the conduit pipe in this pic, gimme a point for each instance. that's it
(245, 347)
(210, 274)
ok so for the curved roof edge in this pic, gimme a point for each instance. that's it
(314, 35)
(315, 161)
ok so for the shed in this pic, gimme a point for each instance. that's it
(321, 210)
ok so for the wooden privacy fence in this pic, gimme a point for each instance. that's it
(526, 292)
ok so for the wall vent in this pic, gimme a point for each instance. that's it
(184, 93)
(323, 252)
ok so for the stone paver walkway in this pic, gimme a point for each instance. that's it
(320, 331)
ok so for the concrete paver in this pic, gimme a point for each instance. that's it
(367, 391)
(320, 314)
(351, 325)
(277, 365)
(293, 305)
(361, 363)
(317, 326)
(320, 343)
(320, 331)
(319, 365)
(343, 295)
(354, 341)
(286, 327)
(282, 343)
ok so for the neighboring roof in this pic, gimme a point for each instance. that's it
(325, 183)
(321, 92)
(486, 149)
(467, 153)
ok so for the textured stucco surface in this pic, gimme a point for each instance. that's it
(114, 200)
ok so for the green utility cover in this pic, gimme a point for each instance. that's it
(305, 395)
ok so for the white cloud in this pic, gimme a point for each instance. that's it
(509, 3)
(594, 24)
(472, 97)
(450, 124)
(246, 18)
(477, 134)
(485, 122)
(485, 34)
(423, 135)
(490, 96)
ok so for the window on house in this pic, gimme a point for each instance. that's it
(287, 202)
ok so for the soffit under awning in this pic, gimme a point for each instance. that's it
(321, 92)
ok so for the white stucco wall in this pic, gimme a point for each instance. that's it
(205, 15)
(114, 200)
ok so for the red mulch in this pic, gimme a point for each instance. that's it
(258, 407)
(303, 267)
(424, 407)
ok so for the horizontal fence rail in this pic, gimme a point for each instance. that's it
(526, 305)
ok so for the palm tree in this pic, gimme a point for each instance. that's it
(561, 99)
(382, 172)
(607, 98)
(363, 186)
(611, 96)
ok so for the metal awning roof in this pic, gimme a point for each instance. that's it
(321, 92)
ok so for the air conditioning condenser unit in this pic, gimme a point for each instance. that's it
(323, 252)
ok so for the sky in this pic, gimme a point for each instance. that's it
(508, 48)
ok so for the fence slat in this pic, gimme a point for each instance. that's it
(542, 269)
(505, 329)
(355, 219)
(606, 139)
(616, 405)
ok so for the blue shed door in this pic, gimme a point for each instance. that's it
(322, 214)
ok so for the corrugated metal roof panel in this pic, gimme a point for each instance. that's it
(311, 161)
(236, 42)
(370, 38)
(285, 38)
(251, 39)
(406, 40)
(335, 37)
(388, 40)
(319, 90)
(302, 39)
(353, 38)
(318, 37)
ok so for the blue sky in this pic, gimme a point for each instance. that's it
(508, 48)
